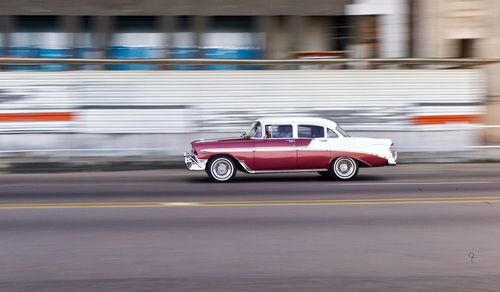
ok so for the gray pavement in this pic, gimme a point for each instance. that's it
(433, 227)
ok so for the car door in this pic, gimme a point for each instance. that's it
(313, 147)
(276, 151)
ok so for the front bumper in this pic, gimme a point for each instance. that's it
(193, 163)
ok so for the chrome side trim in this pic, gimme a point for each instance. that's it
(245, 166)
(260, 149)
(193, 163)
(249, 170)
(282, 149)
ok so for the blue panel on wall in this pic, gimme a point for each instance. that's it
(30, 52)
(215, 53)
(238, 53)
(53, 53)
(120, 52)
(85, 53)
(25, 52)
(183, 53)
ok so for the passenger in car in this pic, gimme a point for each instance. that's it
(318, 132)
(284, 131)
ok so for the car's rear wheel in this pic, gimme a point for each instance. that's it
(344, 168)
(221, 169)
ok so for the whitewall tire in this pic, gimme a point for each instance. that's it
(344, 168)
(221, 169)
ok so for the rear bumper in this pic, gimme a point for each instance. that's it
(391, 160)
(193, 163)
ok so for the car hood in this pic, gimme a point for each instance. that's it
(227, 139)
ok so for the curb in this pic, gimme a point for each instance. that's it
(58, 166)
(80, 164)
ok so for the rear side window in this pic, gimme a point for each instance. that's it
(310, 131)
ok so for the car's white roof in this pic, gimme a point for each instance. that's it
(298, 120)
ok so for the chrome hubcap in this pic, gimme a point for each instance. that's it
(222, 169)
(345, 167)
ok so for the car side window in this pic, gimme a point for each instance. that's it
(279, 131)
(332, 134)
(311, 131)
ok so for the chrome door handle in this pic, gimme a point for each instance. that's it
(290, 141)
(323, 140)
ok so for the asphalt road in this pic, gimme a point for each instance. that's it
(405, 228)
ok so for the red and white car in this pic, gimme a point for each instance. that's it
(295, 144)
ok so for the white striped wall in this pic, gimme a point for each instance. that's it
(193, 103)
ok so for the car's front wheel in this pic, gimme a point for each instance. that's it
(344, 168)
(221, 169)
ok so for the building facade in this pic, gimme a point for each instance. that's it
(201, 29)
(464, 29)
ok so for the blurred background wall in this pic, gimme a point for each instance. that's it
(235, 29)
(124, 113)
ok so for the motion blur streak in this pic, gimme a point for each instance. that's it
(37, 117)
(436, 120)
(154, 115)
(396, 201)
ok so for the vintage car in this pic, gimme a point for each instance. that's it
(295, 144)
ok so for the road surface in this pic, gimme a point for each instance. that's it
(421, 227)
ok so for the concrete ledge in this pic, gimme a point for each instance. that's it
(75, 164)
(43, 165)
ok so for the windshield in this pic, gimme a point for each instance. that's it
(255, 131)
(342, 131)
